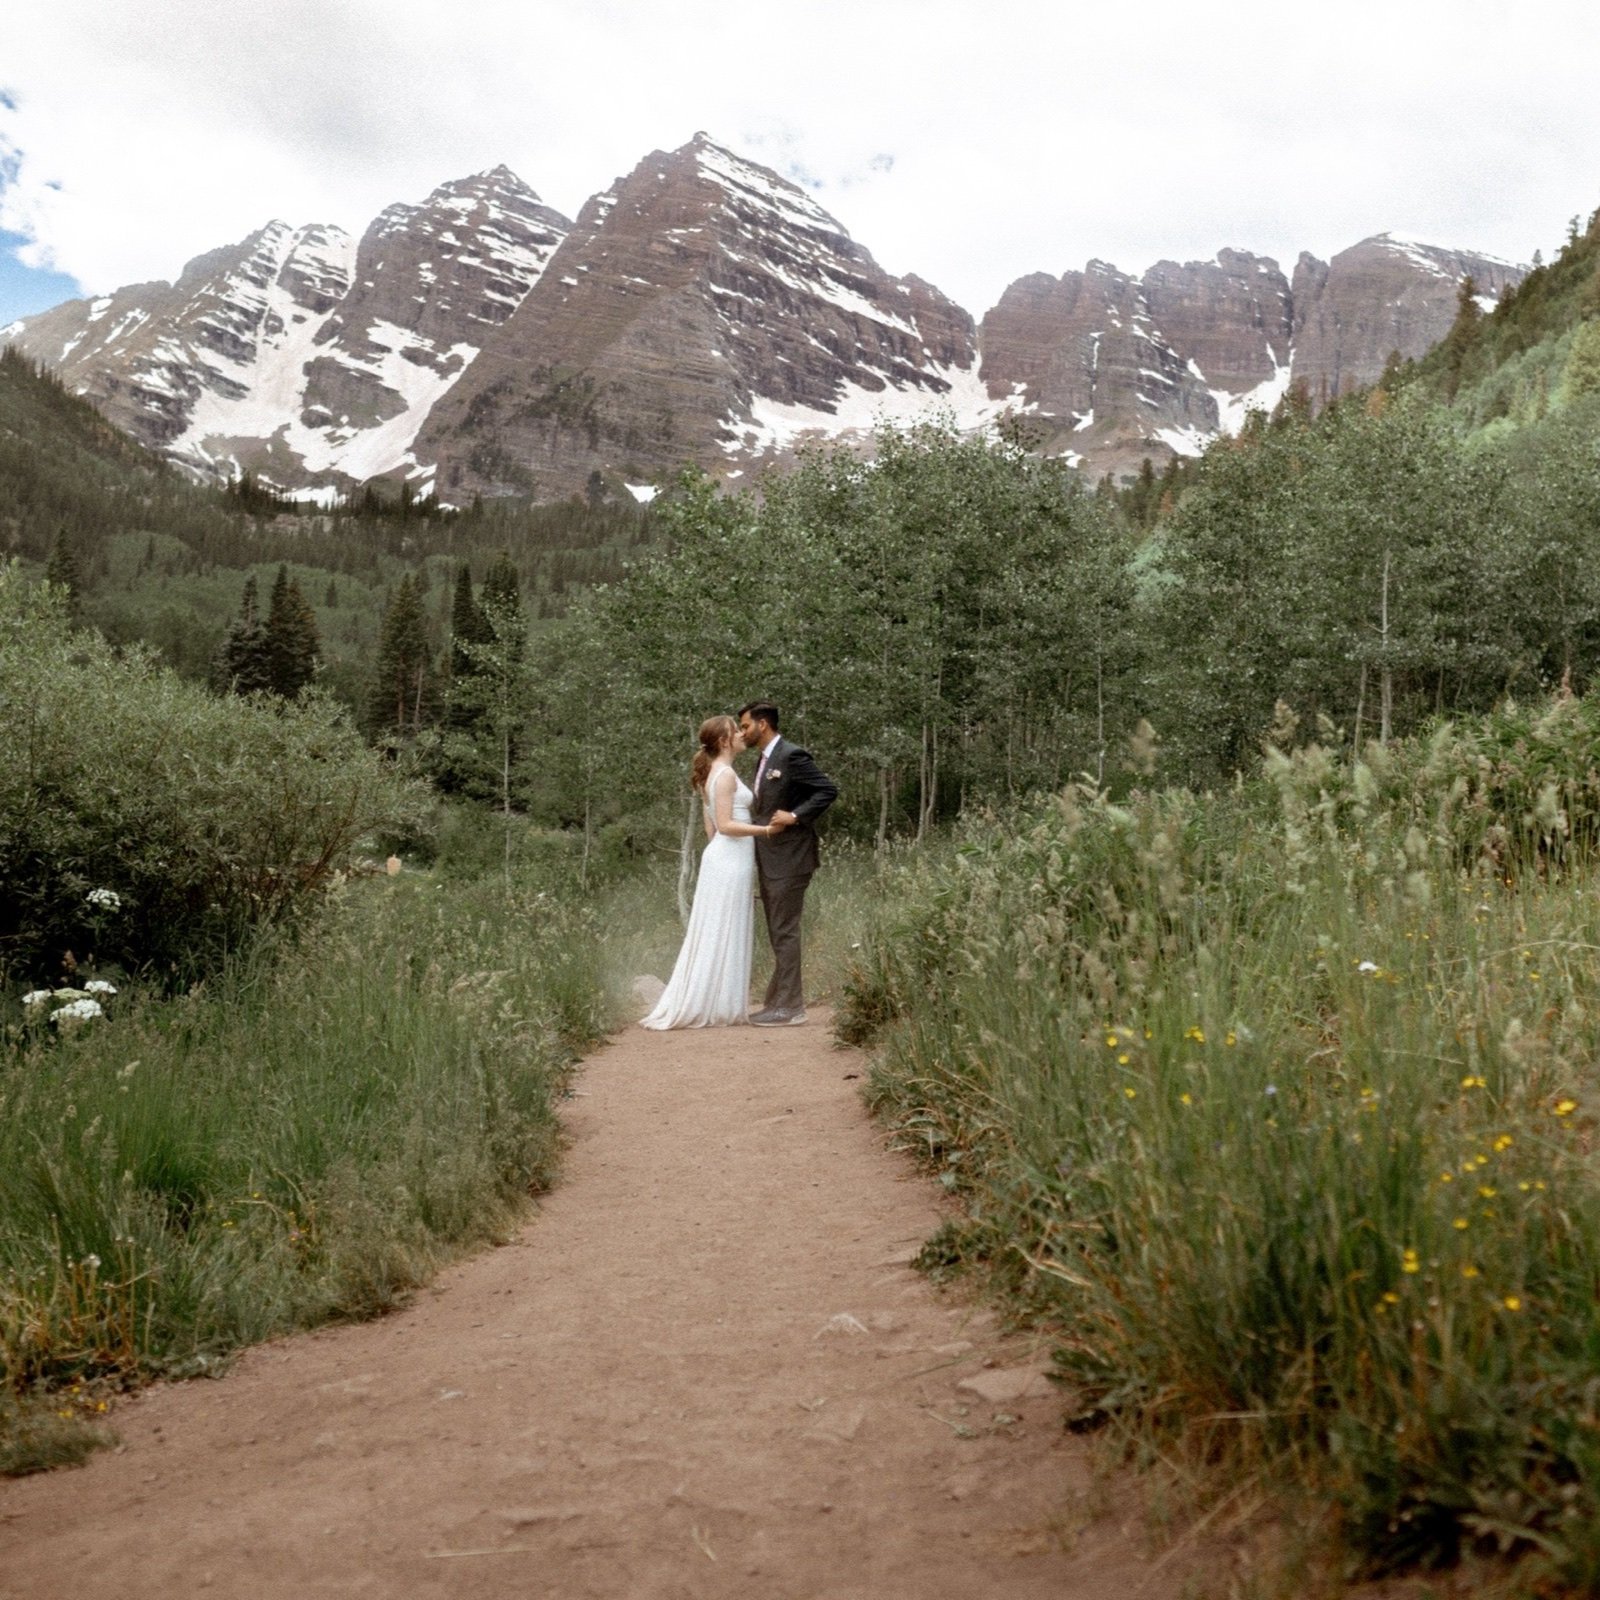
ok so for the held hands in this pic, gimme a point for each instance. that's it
(780, 821)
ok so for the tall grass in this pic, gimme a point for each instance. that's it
(1280, 1104)
(306, 1139)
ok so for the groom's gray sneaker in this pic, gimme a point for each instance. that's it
(778, 1018)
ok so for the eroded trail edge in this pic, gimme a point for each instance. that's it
(704, 1368)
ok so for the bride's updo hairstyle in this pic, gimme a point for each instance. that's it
(715, 734)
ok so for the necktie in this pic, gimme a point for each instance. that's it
(761, 770)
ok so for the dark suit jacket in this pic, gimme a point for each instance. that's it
(792, 782)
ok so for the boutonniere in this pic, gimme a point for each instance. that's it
(774, 772)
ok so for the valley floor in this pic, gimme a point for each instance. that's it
(704, 1369)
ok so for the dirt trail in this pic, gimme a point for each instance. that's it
(703, 1369)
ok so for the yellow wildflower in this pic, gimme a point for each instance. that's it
(1461, 1222)
(1512, 1302)
(1469, 1271)
(1565, 1108)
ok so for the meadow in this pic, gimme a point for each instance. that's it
(304, 1138)
(1277, 1104)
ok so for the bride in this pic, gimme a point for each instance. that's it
(711, 982)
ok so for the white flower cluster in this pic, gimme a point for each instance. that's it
(78, 1011)
(80, 1005)
(105, 899)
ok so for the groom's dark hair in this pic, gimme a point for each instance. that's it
(762, 711)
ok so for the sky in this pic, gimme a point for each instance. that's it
(967, 143)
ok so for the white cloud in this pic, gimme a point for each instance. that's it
(967, 144)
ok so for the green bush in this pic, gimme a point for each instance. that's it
(1280, 1104)
(204, 818)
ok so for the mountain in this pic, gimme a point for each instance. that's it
(703, 309)
(1114, 368)
(299, 353)
(1383, 295)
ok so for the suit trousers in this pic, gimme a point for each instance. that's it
(783, 900)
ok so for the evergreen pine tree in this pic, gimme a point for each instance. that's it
(291, 638)
(243, 663)
(1462, 337)
(399, 702)
(63, 572)
(502, 589)
(468, 625)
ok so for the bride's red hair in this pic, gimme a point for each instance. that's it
(715, 733)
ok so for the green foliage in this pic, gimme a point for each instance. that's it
(1279, 1104)
(206, 818)
(291, 638)
(1582, 372)
(1356, 565)
(244, 662)
(1526, 334)
(401, 700)
(944, 622)
(307, 1138)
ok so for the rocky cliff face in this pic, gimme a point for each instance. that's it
(1118, 368)
(1379, 296)
(299, 354)
(703, 309)
(1114, 368)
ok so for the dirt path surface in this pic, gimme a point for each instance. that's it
(703, 1369)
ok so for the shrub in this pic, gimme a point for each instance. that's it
(204, 817)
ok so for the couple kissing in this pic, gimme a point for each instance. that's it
(757, 834)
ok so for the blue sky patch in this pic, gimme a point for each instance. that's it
(24, 290)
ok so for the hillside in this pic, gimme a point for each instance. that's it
(163, 560)
(1537, 351)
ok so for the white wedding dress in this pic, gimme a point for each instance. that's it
(710, 984)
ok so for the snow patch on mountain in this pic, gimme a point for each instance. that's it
(1233, 409)
(956, 393)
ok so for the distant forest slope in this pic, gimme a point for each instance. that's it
(157, 558)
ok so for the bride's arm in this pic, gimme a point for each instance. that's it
(723, 786)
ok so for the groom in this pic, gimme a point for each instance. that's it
(792, 791)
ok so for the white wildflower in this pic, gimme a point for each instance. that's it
(1366, 966)
(36, 997)
(106, 899)
(99, 986)
(78, 1011)
(92, 1263)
